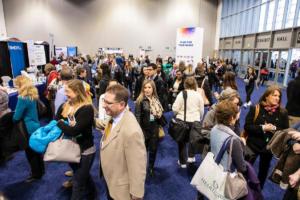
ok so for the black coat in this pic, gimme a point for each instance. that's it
(13, 136)
(138, 86)
(103, 84)
(293, 97)
(142, 114)
(162, 92)
(257, 139)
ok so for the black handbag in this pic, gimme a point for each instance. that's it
(197, 139)
(178, 129)
(42, 109)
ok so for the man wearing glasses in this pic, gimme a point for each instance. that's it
(122, 152)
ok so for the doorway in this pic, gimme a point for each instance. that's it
(277, 67)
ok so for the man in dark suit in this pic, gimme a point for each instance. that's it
(161, 86)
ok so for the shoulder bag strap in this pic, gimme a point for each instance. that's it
(184, 93)
(222, 150)
(203, 83)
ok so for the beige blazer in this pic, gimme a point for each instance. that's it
(123, 159)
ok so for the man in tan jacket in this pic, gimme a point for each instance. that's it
(122, 152)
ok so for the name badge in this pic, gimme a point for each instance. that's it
(152, 118)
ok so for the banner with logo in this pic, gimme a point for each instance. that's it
(189, 44)
(17, 57)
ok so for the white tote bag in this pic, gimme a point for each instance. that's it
(63, 150)
(210, 178)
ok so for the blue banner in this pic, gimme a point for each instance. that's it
(72, 51)
(17, 58)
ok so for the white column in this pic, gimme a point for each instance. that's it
(2, 22)
(218, 25)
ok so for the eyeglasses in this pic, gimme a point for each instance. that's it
(108, 102)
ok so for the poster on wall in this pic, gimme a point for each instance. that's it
(36, 53)
(39, 55)
(61, 51)
(17, 57)
(189, 44)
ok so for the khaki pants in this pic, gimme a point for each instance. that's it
(293, 120)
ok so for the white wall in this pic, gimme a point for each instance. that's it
(128, 24)
(2, 22)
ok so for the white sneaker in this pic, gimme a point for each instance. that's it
(191, 159)
(181, 165)
(245, 105)
(249, 103)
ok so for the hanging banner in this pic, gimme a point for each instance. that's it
(17, 58)
(189, 44)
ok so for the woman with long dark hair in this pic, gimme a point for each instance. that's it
(260, 124)
(249, 81)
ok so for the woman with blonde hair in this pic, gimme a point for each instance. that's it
(148, 112)
(79, 112)
(26, 110)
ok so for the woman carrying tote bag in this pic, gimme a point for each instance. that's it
(227, 114)
(80, 113)
(194, 113)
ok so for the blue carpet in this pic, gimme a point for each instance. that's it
(170, 182)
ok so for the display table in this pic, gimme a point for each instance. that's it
(13, 95)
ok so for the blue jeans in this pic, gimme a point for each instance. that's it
(83, 184)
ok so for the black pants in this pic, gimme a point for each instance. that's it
(83, 184)
(264, 163)
(249, 90)
(151, 143)
(36, 163)
(290, 194)
(182, 152)
(262, 79)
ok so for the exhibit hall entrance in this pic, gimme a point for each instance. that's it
(247, 59)
(260, 59)
(277, 67)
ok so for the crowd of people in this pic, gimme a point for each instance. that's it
(84, 93)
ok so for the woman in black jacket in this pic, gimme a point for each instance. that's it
(249, 80)
(80, 113)
(148, 112)
(128, 76)
(260, 128)
(106, 76)
(176, 86)
(200, 77)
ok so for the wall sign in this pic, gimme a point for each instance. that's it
(228, 43)
(237, 43)
(263, 41)
(282, 40)
(249, 42)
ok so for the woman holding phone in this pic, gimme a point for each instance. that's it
(80, 113)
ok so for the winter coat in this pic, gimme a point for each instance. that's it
(40, 139)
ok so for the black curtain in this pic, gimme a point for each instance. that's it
(5, 66)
